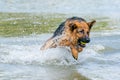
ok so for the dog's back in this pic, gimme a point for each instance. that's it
(59, 30)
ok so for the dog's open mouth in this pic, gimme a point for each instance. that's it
(81, 43)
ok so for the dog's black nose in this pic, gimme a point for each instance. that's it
(86, 40)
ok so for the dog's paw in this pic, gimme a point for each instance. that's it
(75, 57)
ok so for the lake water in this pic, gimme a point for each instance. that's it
(21, 58)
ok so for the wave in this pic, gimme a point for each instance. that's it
(21, 54)
(92, 61)
(26, 50)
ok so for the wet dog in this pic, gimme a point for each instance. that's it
(74, 33)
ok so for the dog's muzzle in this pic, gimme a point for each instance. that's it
(82, 41)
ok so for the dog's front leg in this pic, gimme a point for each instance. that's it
(80, 49)
(74, 52)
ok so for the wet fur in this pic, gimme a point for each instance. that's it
(67, 34)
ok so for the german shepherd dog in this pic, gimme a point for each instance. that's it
(74, 33)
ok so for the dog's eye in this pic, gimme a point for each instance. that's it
(87, 32)
(81, 31)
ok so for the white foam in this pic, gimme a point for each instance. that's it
(25, 50)
(32, 55)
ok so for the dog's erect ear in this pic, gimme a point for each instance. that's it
(90, 24)
(72, 26)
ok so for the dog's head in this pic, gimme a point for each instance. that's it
(81, 30)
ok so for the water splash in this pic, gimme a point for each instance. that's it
(91, 62)
(32, 55)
